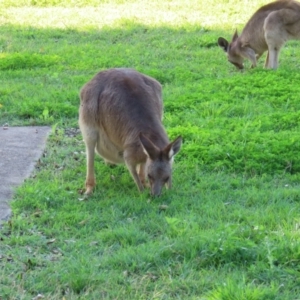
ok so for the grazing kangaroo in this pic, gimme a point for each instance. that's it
(267, 30)
(120, 116)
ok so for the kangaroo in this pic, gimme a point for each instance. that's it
(120, 117)
(267, 30)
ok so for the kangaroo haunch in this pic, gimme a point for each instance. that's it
(267, 30)
(120, 116)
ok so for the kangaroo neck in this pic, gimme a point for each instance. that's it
(158, 137)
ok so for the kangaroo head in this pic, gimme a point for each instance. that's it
(159, 163)
(237, 52)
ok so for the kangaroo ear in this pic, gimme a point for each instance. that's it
(235, 36)
(173, 148)
(149, 148)
(223, 43)
(249, 53)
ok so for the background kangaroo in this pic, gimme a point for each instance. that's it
(268, 29)
(120, 116)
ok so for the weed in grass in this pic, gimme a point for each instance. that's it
(233, 291)
(26, 60)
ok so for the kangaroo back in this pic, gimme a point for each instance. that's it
(121, 112)
(124, 89)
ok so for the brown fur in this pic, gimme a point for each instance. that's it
(267, 30)
(120, 116)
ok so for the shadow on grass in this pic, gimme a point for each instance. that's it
(45, 68)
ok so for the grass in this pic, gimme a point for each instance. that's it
(229, 229)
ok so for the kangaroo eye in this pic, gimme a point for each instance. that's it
(150, 177)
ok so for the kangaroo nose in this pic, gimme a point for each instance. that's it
(155, 192)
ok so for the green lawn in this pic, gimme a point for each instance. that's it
(230, 227)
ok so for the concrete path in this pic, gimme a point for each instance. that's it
(20, 148)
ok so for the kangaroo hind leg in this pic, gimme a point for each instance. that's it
(90, 136)
(277, 32)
